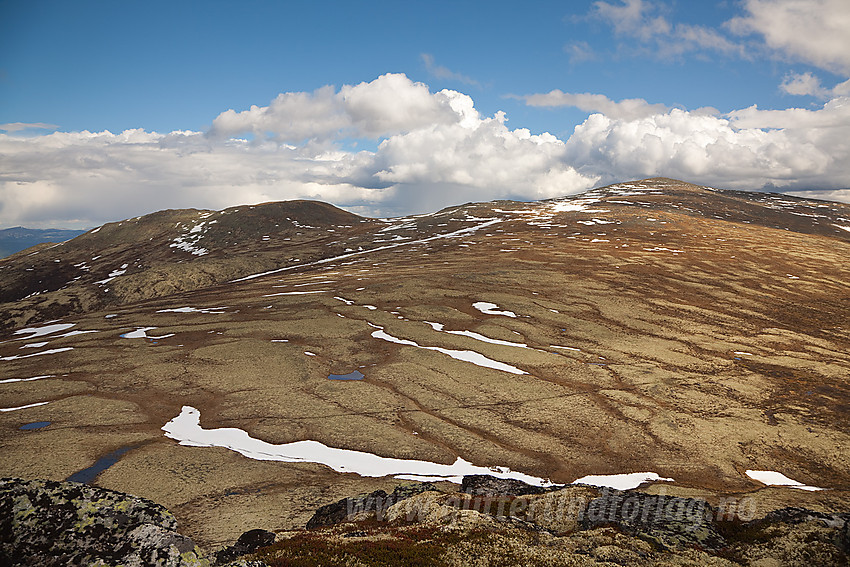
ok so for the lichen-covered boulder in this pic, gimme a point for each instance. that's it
(434, 508)
(365, 505)
(486, 485)
(669, 522)
(559, 511)
(50, 523)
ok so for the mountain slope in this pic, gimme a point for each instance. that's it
(164, 253)
(651, 326)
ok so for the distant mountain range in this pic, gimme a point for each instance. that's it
(19, 238)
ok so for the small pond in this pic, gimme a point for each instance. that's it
(34, 425)
(356, 375)
(89, 474)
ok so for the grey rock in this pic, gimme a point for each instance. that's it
(796, 515)
(670, 523)
(51, 524)
(378, 502)
(339, 511)
(486, 485)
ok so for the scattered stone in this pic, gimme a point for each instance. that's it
(792, 537)
(844, 538)
(339, 511)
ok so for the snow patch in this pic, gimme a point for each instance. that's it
(491, 309)
(621, 481)
(295, 293)
(476, 336)
(216, 310)
(464, 355)
(8, 380)
(75, 333)
(42, 331)
(187, 430)
(773, 478)
(141, 333)
(114, 274)
(50, 351)
(188, 242)
(25, 407)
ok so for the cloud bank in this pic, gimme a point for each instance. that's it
(433, 150)
(747, 149)
(428, 150)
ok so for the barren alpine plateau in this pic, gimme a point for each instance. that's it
(389, 381)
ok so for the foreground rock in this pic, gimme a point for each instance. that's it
(492, 523)
(50, 523)
(509, 523)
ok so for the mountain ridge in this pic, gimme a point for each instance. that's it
(211, 255)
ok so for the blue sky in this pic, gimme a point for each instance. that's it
(76, 75)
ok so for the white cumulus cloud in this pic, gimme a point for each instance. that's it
(804, 84)
(746, 149)
(807, 84)
(811, 31)
(433, 150)
(389, 105)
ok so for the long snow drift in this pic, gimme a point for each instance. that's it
(186, 428)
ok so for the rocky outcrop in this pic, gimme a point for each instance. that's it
(49, 523)
(796, 515)
(668, 522)
(791, 536)
(492, 523)
(509, 523)
(486, 485)
(377, 502)
(248, 542)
